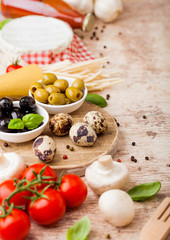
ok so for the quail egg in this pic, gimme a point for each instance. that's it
(82, 134)
(60, 124)
(97, 121)
(44, 148)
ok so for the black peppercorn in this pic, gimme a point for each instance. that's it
(133, 143)
(118, 124)
(5, 144)
(107, 96)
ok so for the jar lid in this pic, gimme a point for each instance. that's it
(88, 22)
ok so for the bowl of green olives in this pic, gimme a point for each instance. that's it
(21, 121)
(57, 94)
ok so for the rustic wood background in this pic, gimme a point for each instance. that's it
(139, 47)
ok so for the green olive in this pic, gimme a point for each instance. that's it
(68, 101)
(41, 95)
(48, 78)
(57, 99)
(78, 83)
(52, 89)
(35, 86)
(62, 84)
(74, 94)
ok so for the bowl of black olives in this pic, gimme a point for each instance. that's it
(21, 121)
(57, 94)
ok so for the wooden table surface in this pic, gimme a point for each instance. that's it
(138, 45)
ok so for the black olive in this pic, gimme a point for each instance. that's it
(1, 113)
(27, 103)
(16, 113)
(4, 125)
(23, 130)
(6, 104)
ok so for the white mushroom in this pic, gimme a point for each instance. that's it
(117, 207)
(44, 148)
(11, 166)
(106, 174)
(108, 10)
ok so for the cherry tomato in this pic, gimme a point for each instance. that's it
(7, 187)
(73, 189)
(15, 226)
(48, 211)
(13, 66)
(29, 175)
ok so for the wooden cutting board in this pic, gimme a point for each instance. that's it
(81, 156)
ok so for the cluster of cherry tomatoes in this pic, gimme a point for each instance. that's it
(47, 209)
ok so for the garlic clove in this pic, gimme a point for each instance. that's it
(108, 10)
(83, 6)
(105, 174)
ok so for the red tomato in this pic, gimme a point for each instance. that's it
(13, 67)
(15, 226)
(48, 211)
(29, 175)
(73, 189)
(7, 187)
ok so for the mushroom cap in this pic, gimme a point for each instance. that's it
(105, 174)
(44, 148)
(82, 134)
(11, 166)
(60, 124)
(117, 207)
(97, 121)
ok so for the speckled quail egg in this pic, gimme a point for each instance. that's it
(44, 148)
(82, 134)
(97, 121)
(60, 124)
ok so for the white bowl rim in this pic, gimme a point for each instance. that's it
(65, 105)
(32, 131)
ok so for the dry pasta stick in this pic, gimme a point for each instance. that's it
(91, 71)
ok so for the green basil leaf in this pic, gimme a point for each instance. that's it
(96, 99)
(4, 22)
(144, 191)
(16, 123)
(80, 230)
(32, 120)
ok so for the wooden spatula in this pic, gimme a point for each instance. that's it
(158, 226)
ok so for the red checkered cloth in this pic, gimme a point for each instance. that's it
(77, 52)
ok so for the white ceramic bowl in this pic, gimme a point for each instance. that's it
(68, 108)
(26, 136)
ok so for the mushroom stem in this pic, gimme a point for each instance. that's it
(105, 162)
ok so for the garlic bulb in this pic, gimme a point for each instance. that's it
(108, 10)
(11, 166)
(83, 6)
(106, 174)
